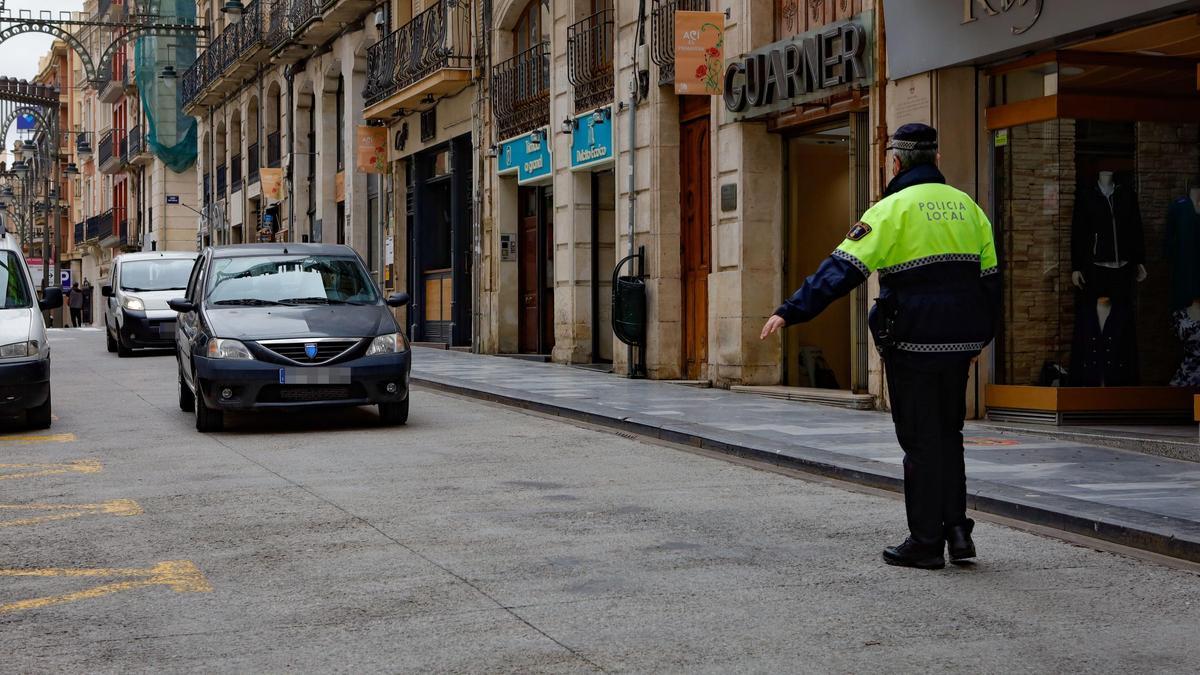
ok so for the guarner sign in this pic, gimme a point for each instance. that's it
(801, 68)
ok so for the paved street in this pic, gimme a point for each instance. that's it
(480, 538)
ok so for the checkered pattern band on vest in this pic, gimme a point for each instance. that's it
(940, 348)
(929, 260)
(838, 253)
(990, 271)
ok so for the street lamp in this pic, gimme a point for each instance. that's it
(168, 73)
(71, 170)
(233, 9)
(20, 168)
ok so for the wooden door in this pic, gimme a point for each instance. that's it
(528, 273)
(695, 216)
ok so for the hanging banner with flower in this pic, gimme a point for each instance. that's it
(372, 149)
(699, 53)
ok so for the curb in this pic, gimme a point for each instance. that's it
(1163, 535)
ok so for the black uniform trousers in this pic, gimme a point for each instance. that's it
(929, 405)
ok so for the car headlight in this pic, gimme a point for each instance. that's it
(132, 303)
(392, 343)
(222, 348)
(18, 350)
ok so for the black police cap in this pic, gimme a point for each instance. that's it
(914, 136)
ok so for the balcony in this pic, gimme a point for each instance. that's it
(252, 153)
(521, 92)
(662, 34)
(108, 156)
(590, 60)
(112, 89)
(136, 151)
(428, 56)
(221, 185)
(128, 80)
(100, 228)
(108, 232)
(230, 58)
(274, 150)
(80, 233)
(235, 174)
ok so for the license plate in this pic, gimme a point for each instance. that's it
(314, 376)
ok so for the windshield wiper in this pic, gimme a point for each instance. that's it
(249, 302)
(316, 301)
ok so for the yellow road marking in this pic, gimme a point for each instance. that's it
(181, 576)
(114, 507)
(44, 438)
(37, 470)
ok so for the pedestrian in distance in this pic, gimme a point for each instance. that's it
(937, 309)
(75, 303)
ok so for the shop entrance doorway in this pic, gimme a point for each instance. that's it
(826, 188)
(535, 251)
(695, 237)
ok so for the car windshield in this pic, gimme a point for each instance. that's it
(160, 274)
(289, 280)
(12, 283)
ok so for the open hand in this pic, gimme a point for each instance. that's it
(772, 326)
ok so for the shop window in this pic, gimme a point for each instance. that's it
(1082, 208)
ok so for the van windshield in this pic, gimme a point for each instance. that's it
(162, 274)
(290, 280)
(12, 282)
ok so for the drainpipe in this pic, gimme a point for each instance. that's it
(477, 178)
(637, 92)
(290, 75)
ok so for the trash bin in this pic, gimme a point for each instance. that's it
(629, 310)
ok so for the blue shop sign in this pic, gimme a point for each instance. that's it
(592, 140)
(528, 157)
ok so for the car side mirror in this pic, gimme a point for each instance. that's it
(52, 298)
(106, 290)
(181, 305)
(399, 300)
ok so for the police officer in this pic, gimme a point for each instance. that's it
(939, 299)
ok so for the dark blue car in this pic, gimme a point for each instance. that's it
(288, 325)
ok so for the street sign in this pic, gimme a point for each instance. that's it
(65, 276)
(172, 199)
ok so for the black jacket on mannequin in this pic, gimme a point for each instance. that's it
(1104, 356)
(1106, 229)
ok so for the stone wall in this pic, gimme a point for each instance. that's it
(1035, 199)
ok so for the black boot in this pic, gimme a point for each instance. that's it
(958, 541)
(914, 554)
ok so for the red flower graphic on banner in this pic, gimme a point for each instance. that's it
(701, 71)
(712, 51)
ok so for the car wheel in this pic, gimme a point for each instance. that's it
(40, 417)
(187, 400)
(122, 350)
(112, 344)
(208, 419)
(393, 414)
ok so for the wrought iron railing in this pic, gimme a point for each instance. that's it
(207, 188)
(103, 226)
(235, 173)
(279, 27)
(590, 60)
(80, 232)
(662, 34)
(252, 163)
(521, 91)
(134, 146)
(123, 146)
(302, 12)
(439, 37)
(235, 42)
(106, 147)
(221, 175)
(274, 149)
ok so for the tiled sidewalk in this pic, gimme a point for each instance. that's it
(1129, 498)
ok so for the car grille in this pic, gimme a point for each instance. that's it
(294, 350)
(310, 393)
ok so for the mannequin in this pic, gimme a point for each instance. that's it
(1181, 246)
(1107, 261)
(1187, 327)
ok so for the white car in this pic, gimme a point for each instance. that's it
(24, 351)
(135, 300)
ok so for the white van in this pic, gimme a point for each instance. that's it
(24, 351)
(135, 300)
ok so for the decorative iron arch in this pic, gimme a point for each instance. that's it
(147, 30)
(11, 118)
(49, 28)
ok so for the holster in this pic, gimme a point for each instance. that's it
(887, 313)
